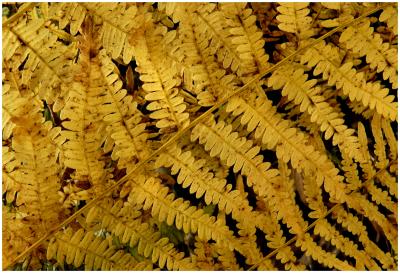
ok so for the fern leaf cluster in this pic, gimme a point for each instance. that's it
(200, 136)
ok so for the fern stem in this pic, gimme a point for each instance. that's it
(185, 130)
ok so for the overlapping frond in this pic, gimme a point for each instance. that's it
(154, 195)
(308, 95)
(160, 79)
(83, 122)
(30, 180)
(45, 61)
(353, 83)
(245, 36)
(389, 15)
(380, 56)
(84, 247)
(290, 144)
(120, 220)
(294, 18)
(122, 118)
(203, 75)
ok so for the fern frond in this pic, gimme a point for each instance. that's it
(353, 83)
(202, 74)
(154, 195)
(83, 122)
(120, 22)
(389, 15)
(10, 186)
(36, 175)
(163, 206)
(323, 228)
(361, 204)
(31, 170)
(45, 60)
(381, 56)
(290, 144)
(380, 145)
(253, 170)
(367, 167)
(122, 118)
(245, 36)
(294, 18)
(391, 139)
(317, 253)
(84, 247)
(268, 222)
(12, 102)
(351, 173)
(213, 27)
(117, 218)
(381, 197)
(326, 230)
(240, 153)
(356, 227)
(346, 12)
(203, 255)
(15, 231)
(193, 174)
(388, 181)
(227, 259)
(307, 94)
(68, 14)
(160, 79)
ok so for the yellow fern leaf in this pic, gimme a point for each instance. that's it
(118, 219)
(31, 170)
(381, 56)
(122, 118)
(366, 165)
(380, 149)
(245, 36)
(194, 174)
(160, 79)
(72, 14)
(389, 15)
(356, 227)
(202, 73)
(326, 230)
(83, 123)
(240, 153)
(388, 181)
(391, 139)
(120, 21)
(317, 253)
(361, 204)
(313, 195)
(290, 144)
(293, 18)
(211, 24)
(353, 83)
(80, 247)
(163, 206)
(45, 60)
(303, 92)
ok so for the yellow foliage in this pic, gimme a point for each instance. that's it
(199, 136)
